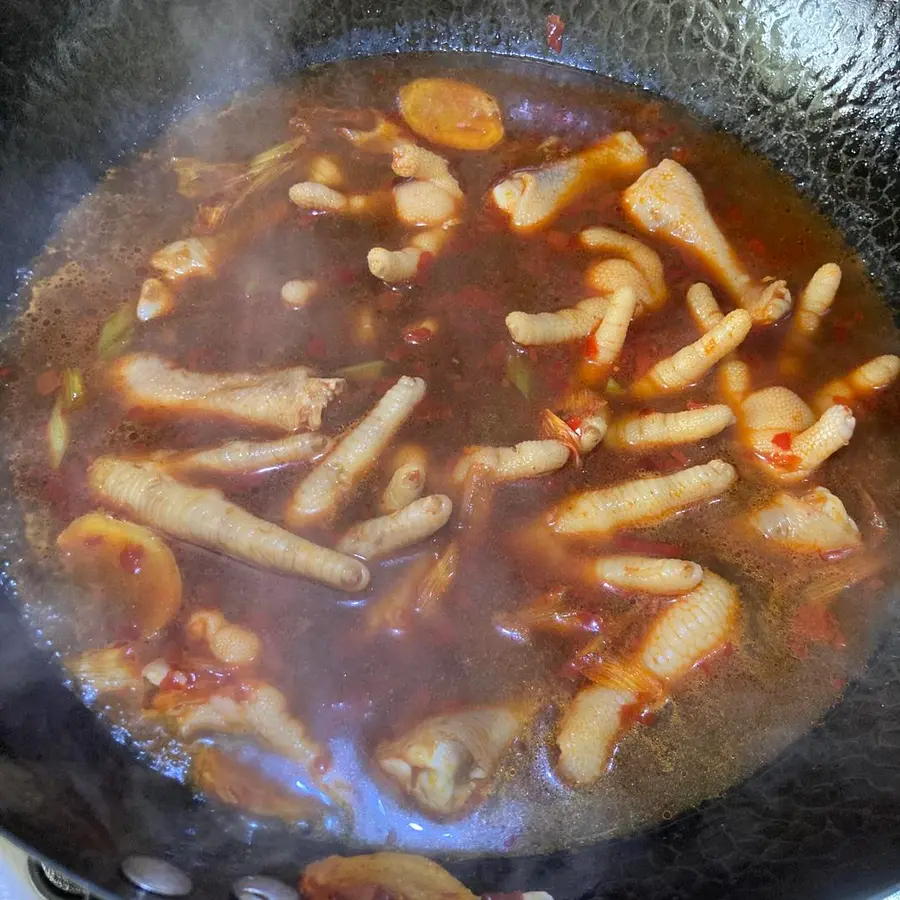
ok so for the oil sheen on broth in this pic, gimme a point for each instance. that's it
(784, 665)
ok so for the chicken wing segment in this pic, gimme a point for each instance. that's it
(286, 399)
(532, 198)
(203, 516)
(667, 201)
(444, 760)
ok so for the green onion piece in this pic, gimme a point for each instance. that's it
(117, 331)
(613, 387)
(72, 391)
(57, 434)
(365, 371)
(518, 373)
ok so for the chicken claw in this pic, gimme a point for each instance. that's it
(534, 197)
(642, 502)
(396, 266)
(529, 459)
(815, 301)
(644, 574)
(816, 522)
(248, 457)
(318, 197)
(411, 161)
(702, 306)
(285, 399)
(203, 516)
(408, 479)
(432, 198)
(570, 324)
(256, 708)
(604, 278)
(445, 760)
(690, 629)
(871, 376)
(691, 363)
(607, 341)
(321, 492)
(640, 431)
(383, 536)
(667, 201)
(788, 440)
(231, 644)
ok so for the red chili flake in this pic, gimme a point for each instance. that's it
(782, 440)
(841, 331)
(646, 411)
(555, 30)
(681, 154)
(47, 382)
(5, 372)
(840, 400)
(131, 558)
(678, 456)
(693, 404)
(814, 623)
(346, 275)
(416, 336)
(574, 422)
(315, 348)
(756, 247)
(590, 346)
(838, 683)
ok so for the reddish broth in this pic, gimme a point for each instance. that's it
(351, 689)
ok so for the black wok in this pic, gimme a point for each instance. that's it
(813, 84)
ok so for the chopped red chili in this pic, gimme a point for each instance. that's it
(782, 440)
(555, 30)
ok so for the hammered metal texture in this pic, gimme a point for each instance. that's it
(812, 84)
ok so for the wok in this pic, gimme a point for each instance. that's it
(812, 84)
